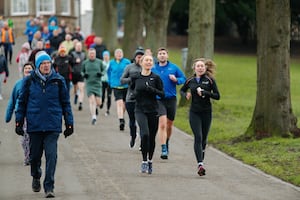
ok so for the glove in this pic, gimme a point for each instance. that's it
(205, 93)
(99, 74)
(19, 128)
(150, 88)
(85, 76)
(69, 130)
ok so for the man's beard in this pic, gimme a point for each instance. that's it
(163, 61)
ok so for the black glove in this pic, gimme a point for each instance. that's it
(150, 88)
(85, 76)
(19, 128)
(99, 74)
(69, 130)
(205, 93)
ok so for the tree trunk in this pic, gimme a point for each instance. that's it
(105, 21)
(156, 22)
(200, 33)
(134, 23)
(273, 110)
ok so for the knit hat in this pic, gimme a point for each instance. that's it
(139, 51)
(105, 53)
(40, 57)
(62, 49)
(26, 45)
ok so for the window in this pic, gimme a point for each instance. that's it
(65, 7)
(45, 7)
(19, 7)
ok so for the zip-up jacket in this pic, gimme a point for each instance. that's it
(169, 85)
(43, 103)
(210, 90)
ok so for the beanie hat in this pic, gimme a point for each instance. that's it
(40, 57)
(62, 49)
(139, 52)
(26, 45)
(105, 53)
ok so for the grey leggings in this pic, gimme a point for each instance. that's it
(200, 124)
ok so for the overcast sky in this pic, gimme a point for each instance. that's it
(86, 5)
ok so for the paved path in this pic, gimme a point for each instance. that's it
(96, 163)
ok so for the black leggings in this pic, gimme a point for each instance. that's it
(106, 88)
(130, 106)
(148, 123)
(200, 124)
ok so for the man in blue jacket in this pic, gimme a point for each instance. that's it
(171, 76)
(43, 100)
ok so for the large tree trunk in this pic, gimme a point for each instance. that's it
(273, 110)
(200, 33)
(156, 22)
(105, 21)
(134, 23)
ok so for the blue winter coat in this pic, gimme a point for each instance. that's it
(12, 102)
(43, 103)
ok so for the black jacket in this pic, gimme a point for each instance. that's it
(210, 90)
(146, 88)
(62, 65)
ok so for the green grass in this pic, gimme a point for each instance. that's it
(236, 79)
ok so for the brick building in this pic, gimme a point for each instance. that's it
(20, 11)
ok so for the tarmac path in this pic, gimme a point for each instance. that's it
(96, 163)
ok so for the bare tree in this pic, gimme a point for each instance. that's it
(134, 23)
(105, 21)
(200, 33)
(273, 110)
(156, 22)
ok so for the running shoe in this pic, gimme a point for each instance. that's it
(144, 167)
(164, 152)
(94, 121)
(26, 163)
(49, 194)
(122, 126)
(201, 170)
(80, 106)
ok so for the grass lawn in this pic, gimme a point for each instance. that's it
(236, 79)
